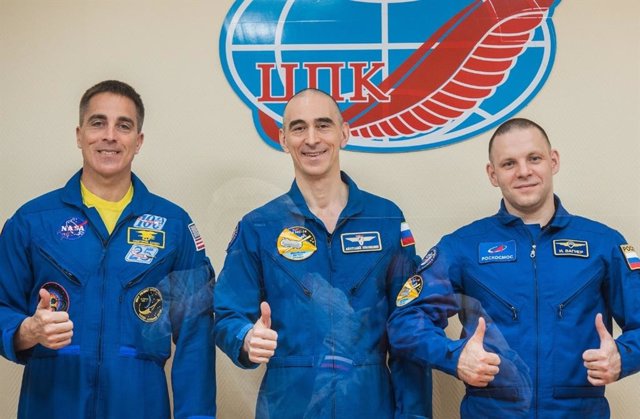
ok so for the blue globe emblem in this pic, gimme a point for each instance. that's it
(407, 74)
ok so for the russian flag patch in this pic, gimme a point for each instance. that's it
(406, 238)
(630, 255)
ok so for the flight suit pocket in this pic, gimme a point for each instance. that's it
(145, 323)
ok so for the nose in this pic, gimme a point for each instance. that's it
(523, 169)
(110, 133)
(312, 136)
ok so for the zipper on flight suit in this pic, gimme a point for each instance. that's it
(573, 296)
(139, 278)
(340, 223)
(508, 305)
(105, 248)
(56, 265)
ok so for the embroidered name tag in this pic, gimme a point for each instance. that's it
(570, 247)
(368, 241)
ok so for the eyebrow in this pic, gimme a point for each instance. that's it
(103, 117)
(324, 119)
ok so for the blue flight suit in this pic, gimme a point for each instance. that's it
(330, 296)
(539, 289)
(127, 295)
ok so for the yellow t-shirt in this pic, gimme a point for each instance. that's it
(109, 211)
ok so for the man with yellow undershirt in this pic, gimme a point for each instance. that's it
(109, 211)
(96, 280)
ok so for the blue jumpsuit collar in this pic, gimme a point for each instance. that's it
(71, 194)
(300, 207)
(561, 216)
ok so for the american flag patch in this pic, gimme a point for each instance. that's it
(197, 238)
(406, 238)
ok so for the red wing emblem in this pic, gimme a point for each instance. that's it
(452, 72)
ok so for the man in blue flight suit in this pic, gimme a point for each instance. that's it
(98, 276)
(309, 281)
(535, 288)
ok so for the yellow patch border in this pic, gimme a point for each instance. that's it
(150, 242)
(410, 291)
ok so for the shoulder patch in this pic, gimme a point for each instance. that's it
(428, 259)
(234, 236)
(410, 291)
(630, 255)
(197, 238)
(406, 237)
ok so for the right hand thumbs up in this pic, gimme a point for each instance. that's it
(49, 328)
(45, 300)
(261, 341)
(476, 366)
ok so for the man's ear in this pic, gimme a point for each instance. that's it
(283, 141)
(491, 173)
(139, 142)
(555, 161)
(345, 134)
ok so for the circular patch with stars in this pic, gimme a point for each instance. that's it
(410, 291)
(296, 243)
(428, 259)
(148, 304)
(59, 298)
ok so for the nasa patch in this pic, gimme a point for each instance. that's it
(428, 259)
(407, 75)
(140, 253)
(59, 298)
(491, 252)
(147, 304)
(296, 243)
(410, 291)
(570, 247)
(367, 241)
(73, 228)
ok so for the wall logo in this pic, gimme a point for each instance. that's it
(407, 74)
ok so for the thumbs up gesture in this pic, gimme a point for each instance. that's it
(49, 328)
(261, 341)
(476, 366)
(603, 364)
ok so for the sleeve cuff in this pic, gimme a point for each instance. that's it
(7, 344)
(242, 360)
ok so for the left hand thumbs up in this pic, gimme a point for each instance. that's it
(603, 364)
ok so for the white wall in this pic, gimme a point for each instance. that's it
(202, 151)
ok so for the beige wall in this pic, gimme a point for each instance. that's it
(201, 149)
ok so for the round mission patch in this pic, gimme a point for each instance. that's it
(148, 304)
(296, 243)
(428, 259)
(59, 300)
